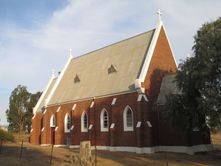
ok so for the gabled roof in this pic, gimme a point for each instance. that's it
(109, 70)
(43, 99)
(115, 69)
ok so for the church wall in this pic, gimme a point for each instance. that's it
(36, 129)
(114, 137)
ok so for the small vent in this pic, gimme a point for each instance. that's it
(112, 69)
(76, 79)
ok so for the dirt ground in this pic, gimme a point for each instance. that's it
(40, 156)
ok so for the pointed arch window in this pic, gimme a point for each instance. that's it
(128, 119)
(84, 122)
(104, 120)
(67, 123)
(52, 121)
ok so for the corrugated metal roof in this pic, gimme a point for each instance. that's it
(168, 86)
(124, 59)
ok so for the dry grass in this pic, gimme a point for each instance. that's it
(40, 156)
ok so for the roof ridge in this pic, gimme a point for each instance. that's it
(88, 53)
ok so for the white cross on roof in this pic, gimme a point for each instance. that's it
(159, 13)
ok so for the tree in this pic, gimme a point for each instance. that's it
(199, 80)
(19, 113)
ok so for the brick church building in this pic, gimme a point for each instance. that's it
(108, 96)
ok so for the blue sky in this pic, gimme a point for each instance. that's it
(35, 36)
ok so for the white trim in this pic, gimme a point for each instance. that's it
(170, 46)
(60, 146)
(33, 116)
(72, 127)
(74, 146)
(148, 150)
(126, 128)
(42, 129)
(45, 144)
(82, 122)
(103, 129)
(58, 109)
(56, 128)
(149, 124)
(90, 126)
(141, 96)
(74, 106)
(114, 101)
(138, 124)
(58, 80)
(150, 52)
(66, 130)
(138, 86)
(92, 104)
(45, 111)
(52, 121)
(91, 98)
(145, 98)
(112, 125)
(43, 94)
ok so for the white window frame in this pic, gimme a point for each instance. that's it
(67, 116)
(83, 129)
(52, 121)
(104, 129)
(128, 128)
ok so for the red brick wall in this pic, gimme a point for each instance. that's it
(102, 138)
(36, 126)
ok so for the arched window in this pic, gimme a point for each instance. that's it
(84, 122)
(128, 119)
(52, 121)
(104, 120)
(67, 123)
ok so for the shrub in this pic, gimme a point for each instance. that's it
(6, 136)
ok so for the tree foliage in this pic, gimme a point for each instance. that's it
(199, 80)
(6, 136)
(19, 114)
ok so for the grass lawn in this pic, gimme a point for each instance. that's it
(40, 156)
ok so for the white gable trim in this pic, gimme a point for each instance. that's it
(138, 124)
(92, 104)
(58, 109)
(43, 94)
(33, 116)
(150, 52)
(140, 96)
(170, 45)
(74, 106)
(149, 124)
(58, 80)
(112, 125)
(114, 101)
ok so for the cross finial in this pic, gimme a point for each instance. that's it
(53, 72)
(70, 52)
(159, 13)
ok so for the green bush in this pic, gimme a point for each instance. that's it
(6, 136)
